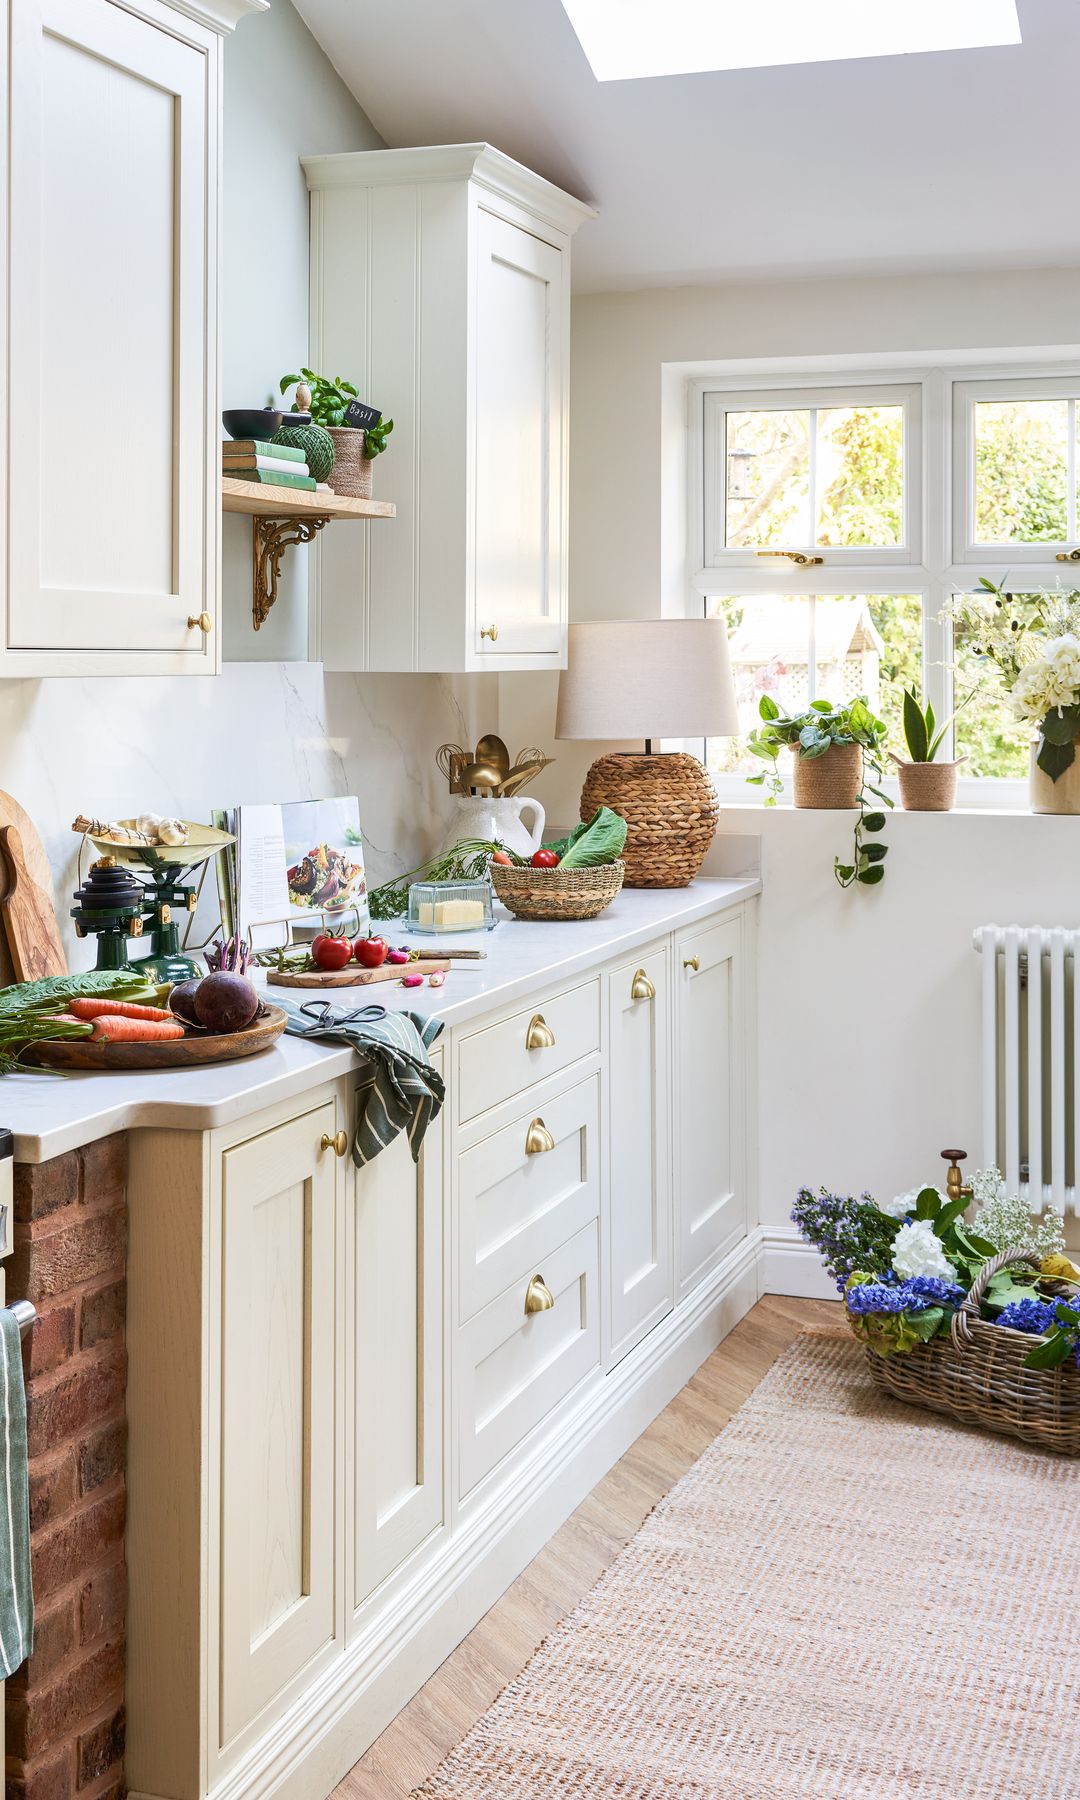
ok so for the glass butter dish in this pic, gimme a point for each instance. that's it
(441, 907)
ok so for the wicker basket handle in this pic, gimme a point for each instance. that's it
(960, 1330)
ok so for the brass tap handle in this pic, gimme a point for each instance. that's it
(539, 1035)
(203, 620)
(955, 1186)
(339, 1143)
(692, 962)
(489, 631)
(538, 1139)
(538, 1296)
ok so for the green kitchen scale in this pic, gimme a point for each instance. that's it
(142, 890)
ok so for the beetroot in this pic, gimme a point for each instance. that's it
(225, 1002)
(182, 1000)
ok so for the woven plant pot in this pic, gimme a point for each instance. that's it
(351, 473)
(927, 787)
(831, 780)
(670, 807)
(1060, 796)
(977, 1376)
(554, 894)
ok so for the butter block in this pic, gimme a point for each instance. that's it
(446, 915)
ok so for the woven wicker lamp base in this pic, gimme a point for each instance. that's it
(670, 807)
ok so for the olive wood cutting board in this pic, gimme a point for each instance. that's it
(356, 977)
(30, 942)
(176, 1053)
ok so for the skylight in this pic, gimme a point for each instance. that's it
(628, 39)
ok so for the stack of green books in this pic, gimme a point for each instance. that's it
(275, 465)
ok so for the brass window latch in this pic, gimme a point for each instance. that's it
(1068, 555)
(798, 557)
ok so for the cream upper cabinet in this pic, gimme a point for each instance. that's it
(639, 1229)
(710, 1089)
(441, 287)
(111, 564)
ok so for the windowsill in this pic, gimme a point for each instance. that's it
(978, 796)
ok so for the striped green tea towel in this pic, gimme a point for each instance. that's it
(16, 1594)
(400, 1090)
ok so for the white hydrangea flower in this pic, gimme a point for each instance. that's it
(917, 1250)
(901, 1204)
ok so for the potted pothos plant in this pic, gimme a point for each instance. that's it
(356, 445)
(836, 750)
(926, 785)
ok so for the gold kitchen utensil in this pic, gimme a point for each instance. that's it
(491, 749)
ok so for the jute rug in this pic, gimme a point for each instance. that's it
(844, 1599)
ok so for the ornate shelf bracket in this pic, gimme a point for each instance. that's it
(270, 538)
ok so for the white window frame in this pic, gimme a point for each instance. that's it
(929, 565)
(966, 395)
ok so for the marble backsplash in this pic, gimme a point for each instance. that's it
(258, 732)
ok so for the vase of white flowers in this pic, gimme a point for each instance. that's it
(1034, 642)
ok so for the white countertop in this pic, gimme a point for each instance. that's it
(50, 1114)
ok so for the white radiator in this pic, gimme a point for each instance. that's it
(1031, 1061)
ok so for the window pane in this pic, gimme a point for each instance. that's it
(986, 733)
(870, 644)
(1021, 471)
(860, 475)
(768, 479)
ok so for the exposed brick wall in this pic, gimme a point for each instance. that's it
(65, 1707)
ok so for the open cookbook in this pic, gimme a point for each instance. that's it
(293, 866)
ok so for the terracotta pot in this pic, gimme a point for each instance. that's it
(351, 473)
(1060, 796)
(928, 786)
(832, 780)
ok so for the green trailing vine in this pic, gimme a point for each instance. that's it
(812, 734)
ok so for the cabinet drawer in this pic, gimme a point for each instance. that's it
(497, 1063)
(514, 1367)
(525, 1190)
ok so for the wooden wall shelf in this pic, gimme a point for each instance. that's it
(281, 516)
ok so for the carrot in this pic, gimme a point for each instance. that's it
(121, 1009)
(114, 1028)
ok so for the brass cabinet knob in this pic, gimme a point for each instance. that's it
(539, 1035)
(691, 962)
(339, 1143)
(203, 620)
(489, 631)
(641, 988)
(538, 1296)
(538, 1139)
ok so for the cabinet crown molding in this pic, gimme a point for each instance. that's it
(479, 163)
(220, 15)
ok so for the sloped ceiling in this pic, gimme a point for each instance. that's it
(961, 160)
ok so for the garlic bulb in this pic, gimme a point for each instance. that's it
(172, 831)
(148, 824)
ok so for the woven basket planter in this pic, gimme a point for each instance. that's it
(351, 473)
(927, 787)
(831, 780)
(977, 1376)
(554, 894)
(670, 807)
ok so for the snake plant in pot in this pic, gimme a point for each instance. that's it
(926, 785)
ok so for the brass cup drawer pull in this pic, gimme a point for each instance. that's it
(339, 1143)
(539, 1035)
(538, 1296)
(489, 631)
(691, 962)
(641, 988)
(203, 620)
(538, 1139)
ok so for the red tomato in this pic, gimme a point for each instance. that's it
(371, 952)
(544, 859)
(500, 856)
(330, 952)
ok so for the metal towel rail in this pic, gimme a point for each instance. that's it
(25, 1312)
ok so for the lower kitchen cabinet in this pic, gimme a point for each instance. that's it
(709, 1106)
(394, 1307)
(277, 1411)
(640, 1257)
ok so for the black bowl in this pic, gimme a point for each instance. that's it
(258, 422)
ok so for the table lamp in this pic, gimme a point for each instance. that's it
(651, 679)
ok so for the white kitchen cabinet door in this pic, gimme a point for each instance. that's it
(519, 602)
(112, 535)
(710, 1084)
(396, 1274)
(277, 1412)
(640, 1242)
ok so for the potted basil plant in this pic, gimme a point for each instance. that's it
(355, 447)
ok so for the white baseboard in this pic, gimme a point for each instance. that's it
(313, 1745)
(790, 1266)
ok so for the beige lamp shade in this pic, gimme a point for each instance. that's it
(647, 678)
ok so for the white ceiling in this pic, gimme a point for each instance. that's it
(954, 161)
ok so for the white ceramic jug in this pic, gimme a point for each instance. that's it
(519, 824)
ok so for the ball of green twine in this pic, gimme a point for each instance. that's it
(317, 445)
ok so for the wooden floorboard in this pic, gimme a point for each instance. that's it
(498, 1648)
